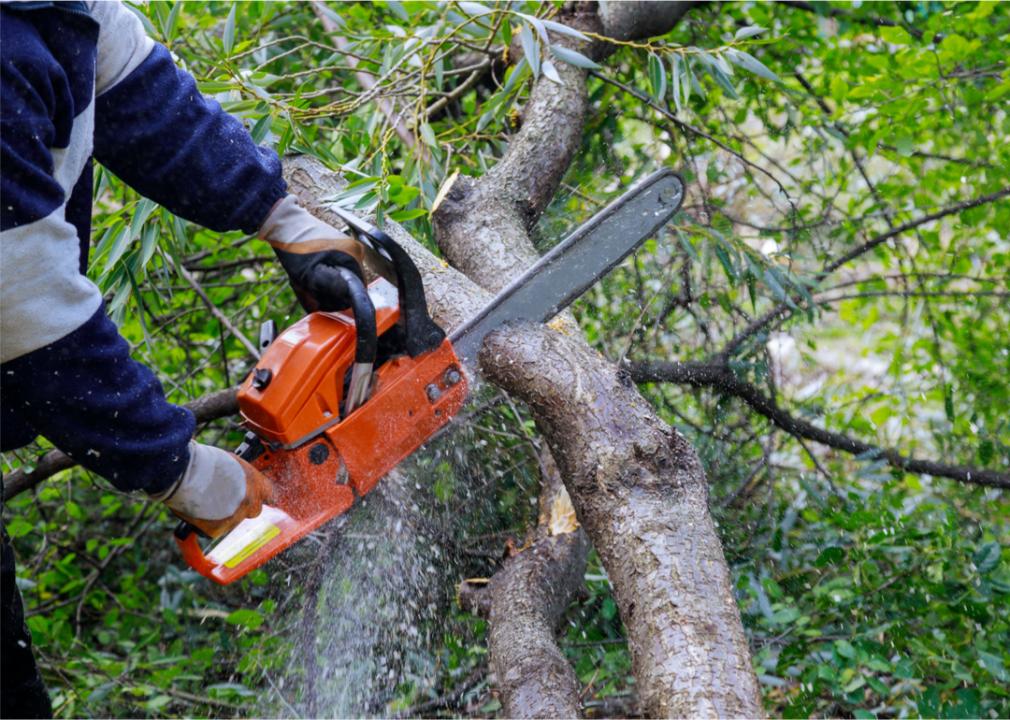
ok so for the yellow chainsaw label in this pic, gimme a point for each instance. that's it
(268, 533)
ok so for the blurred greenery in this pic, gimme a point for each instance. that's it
(803, 133)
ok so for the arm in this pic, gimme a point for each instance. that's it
(156, 131)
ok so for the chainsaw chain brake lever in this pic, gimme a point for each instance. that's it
(421, 333)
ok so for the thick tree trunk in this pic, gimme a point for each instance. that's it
(641, 494)
(637, 485)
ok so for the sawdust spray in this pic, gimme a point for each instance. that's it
(381, 581)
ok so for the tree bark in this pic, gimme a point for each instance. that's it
(637, 485)
(641, 494)
(524, 603)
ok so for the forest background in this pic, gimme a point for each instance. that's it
(831, 301)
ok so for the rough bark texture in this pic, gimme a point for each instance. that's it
(634, 19)
(637, 486)
(524, 603)
(529, 596)
(641, 494)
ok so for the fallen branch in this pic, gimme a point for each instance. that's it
(722, 379)
(524, 603)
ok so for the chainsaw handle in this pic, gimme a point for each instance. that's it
(421, 333)
(364, 317)
(186, 538)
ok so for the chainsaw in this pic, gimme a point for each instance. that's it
(338, 399)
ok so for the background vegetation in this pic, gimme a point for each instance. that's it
(804, 132)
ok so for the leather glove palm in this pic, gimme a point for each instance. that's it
(218, 490)
(309, 251)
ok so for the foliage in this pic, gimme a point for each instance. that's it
(803, 134)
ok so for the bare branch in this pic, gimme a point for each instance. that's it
(782, 309)
(722, 379)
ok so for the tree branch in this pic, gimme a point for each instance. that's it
(722, 379)
(782, 309)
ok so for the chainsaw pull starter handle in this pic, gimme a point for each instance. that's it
(421, 333)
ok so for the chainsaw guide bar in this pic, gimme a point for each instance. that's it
(333, 404)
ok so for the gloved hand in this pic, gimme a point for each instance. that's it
(309, 250)
(218, 490)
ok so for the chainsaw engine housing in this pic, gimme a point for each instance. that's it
(318, 458)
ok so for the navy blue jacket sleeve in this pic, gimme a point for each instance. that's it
(163, 138)
(87, 396)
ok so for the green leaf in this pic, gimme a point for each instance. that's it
(563, 30)
(538, 24)
(173, 18)
(551, 72)
(573, 58)
(784, 616)
(987, 557)
(748, 32)
(718, 74)
(404, 215)
(750, 63)
(895, 35)
(228, 39)
(994, 665)
(829, 556)
(609, 609)
(245, 617)
(726, 262)
(772, 281)
(260, 129)
(675, 63)
(428, 135)
(514, 75)
(905, 145)
(531, 49)
(474, 9)
(657, 77)
(844, 649)
(117, 248)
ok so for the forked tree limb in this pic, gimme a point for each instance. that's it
(720, 378)
(642, 496)
(637, 486)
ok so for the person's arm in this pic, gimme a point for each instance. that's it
(66, 373)
(156, 131)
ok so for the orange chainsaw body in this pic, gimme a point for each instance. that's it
(318, 461)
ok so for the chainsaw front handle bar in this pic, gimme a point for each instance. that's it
(421, 333)
(364, 317)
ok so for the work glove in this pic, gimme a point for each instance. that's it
(310, 251)
(218, 490)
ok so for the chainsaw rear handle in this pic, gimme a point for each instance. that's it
(421, 333)
(186, 538)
